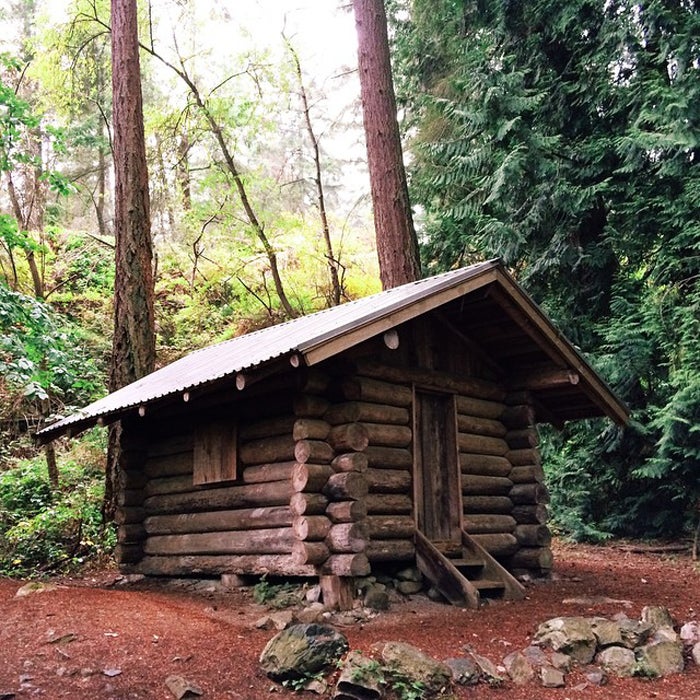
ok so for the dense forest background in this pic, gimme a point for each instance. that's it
(562, 137)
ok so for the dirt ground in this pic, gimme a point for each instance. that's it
(92, 639)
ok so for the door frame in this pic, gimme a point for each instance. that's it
(452, 472)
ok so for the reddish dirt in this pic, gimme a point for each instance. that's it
(148, 632)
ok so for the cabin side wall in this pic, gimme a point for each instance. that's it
(326, 470)
(167, 525)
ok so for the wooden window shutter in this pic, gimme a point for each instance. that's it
(216, 453)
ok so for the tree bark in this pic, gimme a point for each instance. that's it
(333, 264)
(133, 345)
(397, 244)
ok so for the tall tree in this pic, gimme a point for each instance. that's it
(563, 137)
(133, 347)
(397, 244)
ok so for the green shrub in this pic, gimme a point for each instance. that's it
(44, 531)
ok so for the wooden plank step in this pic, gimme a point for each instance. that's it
(467, 562)
(449, 548)
(487, 584)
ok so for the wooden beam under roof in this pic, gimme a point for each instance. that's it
(543, 379)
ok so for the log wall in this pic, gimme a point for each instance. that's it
(270, 520)
(502, 480)
(529, 493)
(325, 481)
(376, 401)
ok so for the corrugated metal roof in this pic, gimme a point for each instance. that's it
(301, 335)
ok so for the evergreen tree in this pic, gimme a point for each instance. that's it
(563, 137)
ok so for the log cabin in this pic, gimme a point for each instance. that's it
(399, 429)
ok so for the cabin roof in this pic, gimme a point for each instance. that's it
(493, 311)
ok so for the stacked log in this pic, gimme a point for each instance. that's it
(257, 523)
(346, 491)
(529, 494)
(313, 454)
(486, 483)
(381, 406)
(130, 512)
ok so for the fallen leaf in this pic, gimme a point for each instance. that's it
(63, 638)
(111, 672)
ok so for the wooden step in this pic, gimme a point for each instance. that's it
(449, 548)
(467, 561)
(487, 585)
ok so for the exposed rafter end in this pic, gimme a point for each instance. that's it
(540, 380)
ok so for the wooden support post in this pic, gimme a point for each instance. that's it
(337, 592)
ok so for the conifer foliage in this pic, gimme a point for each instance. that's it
(565, 138)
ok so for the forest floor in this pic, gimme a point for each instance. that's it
(92, 638)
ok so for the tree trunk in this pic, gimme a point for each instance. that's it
(397, 244)
(133, 346)
(333, 264)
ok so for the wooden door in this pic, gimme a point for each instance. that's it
(437, 480)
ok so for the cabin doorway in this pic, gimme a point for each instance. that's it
(438, 494)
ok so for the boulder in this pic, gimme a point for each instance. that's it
(635, 632)
(695, 653)
(570, 635)
(360, 679)
(617, 660)
(658, 617)
(659, 658)
(405, 661)
(302, 650)
(560, 661)
(535, 656)
(596, 676)
(607, 632)
(551, 677)
(464, 670)
(182, 689)
(519, 668)
(489, 672)
(690, 633)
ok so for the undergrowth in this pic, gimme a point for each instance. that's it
(47, 531)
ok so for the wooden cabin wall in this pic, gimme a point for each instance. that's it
(169, 526)
(381, 410)
(529, 493)
(325, 483)
(503, 489)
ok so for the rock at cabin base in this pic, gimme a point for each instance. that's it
(617, 660)
(695, 653)
(659, 658)
(302, 650)
(657, 616)
(407, 661)
(376, 597)
(569, 635)
(464, 670)
(519, 668)
(551, 677)
(409, 587)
